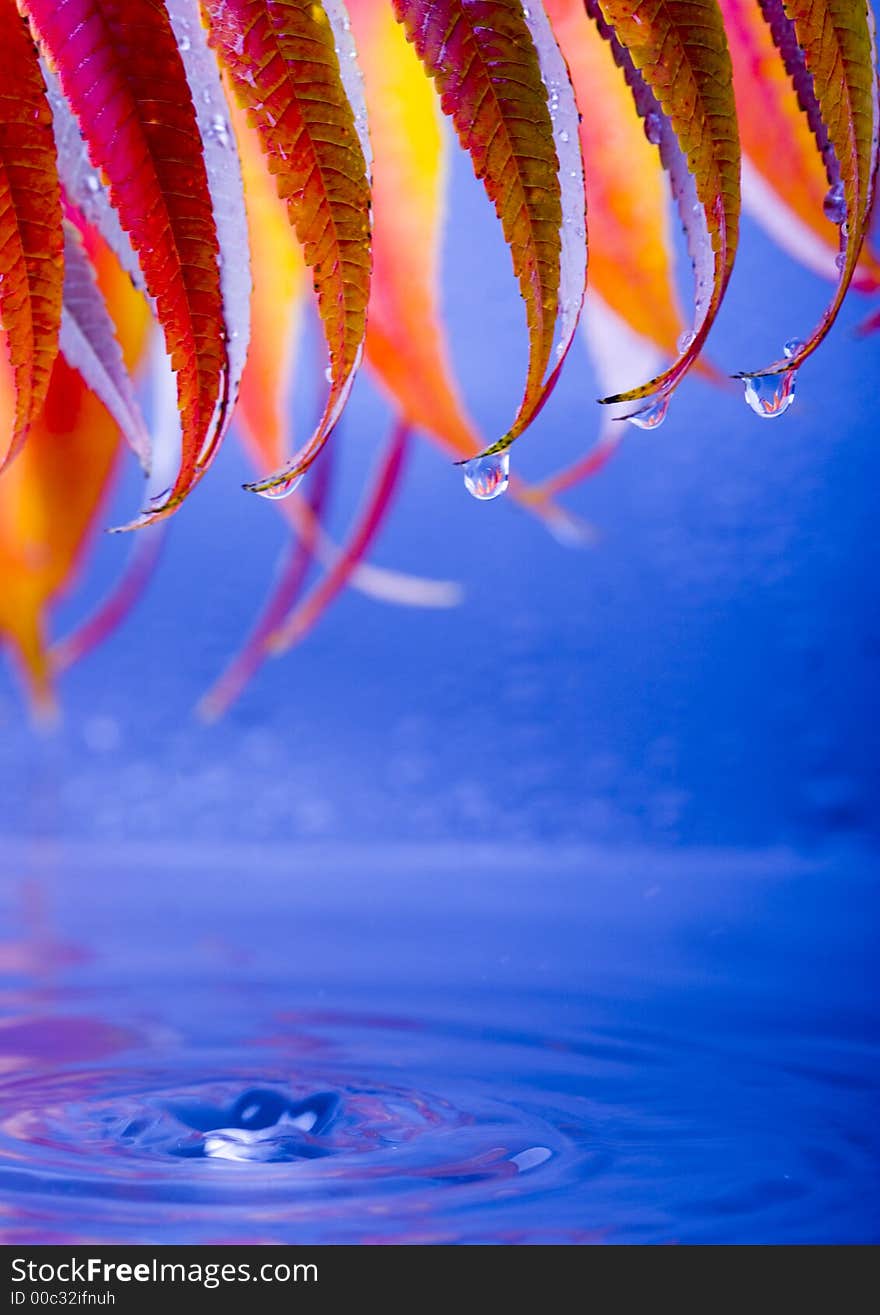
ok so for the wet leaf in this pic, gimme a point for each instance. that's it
(31, 261)
(227, 198)
(264, 416)
(291, 66)
(784, 179)
(121, 71)
(675, 57)
(830, 54)
(631, 258)
(504, 85)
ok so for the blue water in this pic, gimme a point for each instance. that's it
(437, 1044)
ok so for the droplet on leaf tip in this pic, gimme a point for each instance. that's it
(770, 395)
(487, 477)
(283, 489)
(652, 415)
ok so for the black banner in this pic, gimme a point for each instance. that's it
(279, 1278)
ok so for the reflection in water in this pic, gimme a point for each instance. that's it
(554, 1051)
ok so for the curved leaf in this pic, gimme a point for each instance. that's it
(31, 261)
(829, 50)
(504, 84)
(675, 57)
(227, 198)
(88, 342)
(631, 254)
(279, 287)
(290, 65)
(121, 71)
(784, 180)
(618, 353)
(406, 346)
(264, 411)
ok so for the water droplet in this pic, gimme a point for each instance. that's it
(486, 478)
(93, 183)
(652, 415)
(283, 489)
(563, 136)
(653, 128)
(793, 347)
(685, 340)
(834, 204)
(769, 395)
(184, 43)
(840, 259)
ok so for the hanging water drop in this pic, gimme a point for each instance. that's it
(283, 489)
(684, 341)
(793, 348)
(770, 395)
(652, 415)
(486, 478)
(834, 204)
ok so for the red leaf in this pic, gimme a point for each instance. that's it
(290, 65)
(31, 261)
(122, 73)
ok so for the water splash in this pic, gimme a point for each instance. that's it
(486, 478)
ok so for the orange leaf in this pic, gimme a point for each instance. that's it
(784, 180)
(675, 56)
(290, 68)
(503, 83)
(830, 53)
(631, 262)
(277, 300)
(31, 257)
(121, 71)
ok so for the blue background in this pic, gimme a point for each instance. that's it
(704, 673)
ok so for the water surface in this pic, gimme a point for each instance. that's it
(437, 1043)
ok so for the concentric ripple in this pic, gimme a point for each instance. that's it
(328, 1141)
(372, 1127)
(186, 1058)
